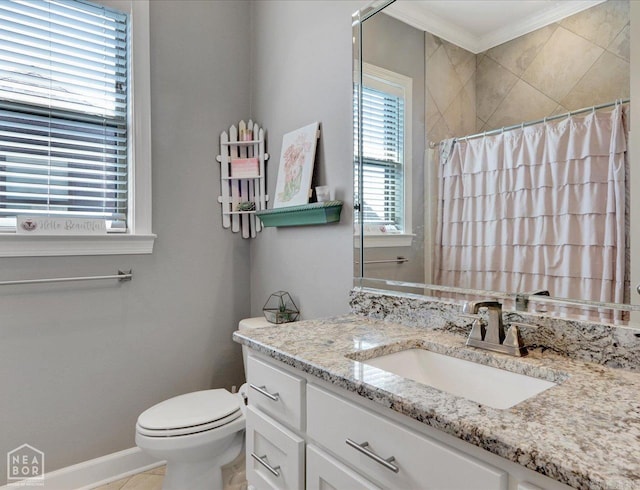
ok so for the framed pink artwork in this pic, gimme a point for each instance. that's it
(293, 184)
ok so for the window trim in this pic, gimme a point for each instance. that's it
(139, 238)
(382, 79)
(381, 240)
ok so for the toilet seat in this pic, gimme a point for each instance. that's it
(185, 431)
(190, 413)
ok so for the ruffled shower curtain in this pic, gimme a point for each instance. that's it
(540, 207)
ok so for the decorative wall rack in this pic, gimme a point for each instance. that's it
(242, 178)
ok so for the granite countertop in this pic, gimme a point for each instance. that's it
(584, 432)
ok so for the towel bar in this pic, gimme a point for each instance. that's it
(120, 276)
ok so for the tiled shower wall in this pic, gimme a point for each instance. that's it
(451, 89)
(578, 62)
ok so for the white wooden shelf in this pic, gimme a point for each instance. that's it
(241, 178)
(242, 143)
(236, 190)
(231, 213)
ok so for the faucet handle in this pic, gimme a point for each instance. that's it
(513, 341)
(513, 337)
(477, 330)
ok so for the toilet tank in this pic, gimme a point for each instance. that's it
(250, 324)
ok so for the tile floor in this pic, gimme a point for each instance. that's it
(233, 475)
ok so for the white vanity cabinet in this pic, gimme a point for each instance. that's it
(275, 427)
(304, 433)
(324, 472)
(276, 392)
(275, 455)
(390, 454)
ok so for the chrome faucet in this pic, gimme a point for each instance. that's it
(522, 299)
(493, 337)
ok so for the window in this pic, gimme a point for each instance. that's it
(67, 121)
(386, 162)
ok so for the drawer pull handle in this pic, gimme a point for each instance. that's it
(262, 390)
(263, 462)
(387, 463)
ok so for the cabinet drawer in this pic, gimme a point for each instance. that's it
(275, 455)
(276, 392)
(419, 462)
(324, 472)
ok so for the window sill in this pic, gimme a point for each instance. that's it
(391, 240)
(14, 245)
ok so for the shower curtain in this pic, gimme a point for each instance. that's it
(539, 207)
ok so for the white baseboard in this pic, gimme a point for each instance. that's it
(95, 472)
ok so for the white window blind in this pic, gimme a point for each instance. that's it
(63, 111)
(383, 116)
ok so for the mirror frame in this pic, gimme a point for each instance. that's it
(360, 280)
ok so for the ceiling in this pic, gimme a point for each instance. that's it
(477, 25)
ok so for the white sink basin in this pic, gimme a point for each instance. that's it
(487, 385)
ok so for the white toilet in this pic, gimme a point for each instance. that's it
(197, 433)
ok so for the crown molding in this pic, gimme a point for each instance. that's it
(560, 11)
(418, 15)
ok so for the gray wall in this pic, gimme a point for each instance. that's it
(79, 362)
(302, 73)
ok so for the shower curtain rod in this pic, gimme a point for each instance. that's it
(537, 121)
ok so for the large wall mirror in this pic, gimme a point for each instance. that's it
(492, 153)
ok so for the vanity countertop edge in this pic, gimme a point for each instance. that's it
(584, 432)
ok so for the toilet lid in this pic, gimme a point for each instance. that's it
(191, 409)
(195, 429)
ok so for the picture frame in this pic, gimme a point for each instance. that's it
(293, 185)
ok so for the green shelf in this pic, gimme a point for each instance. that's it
(316, 213)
